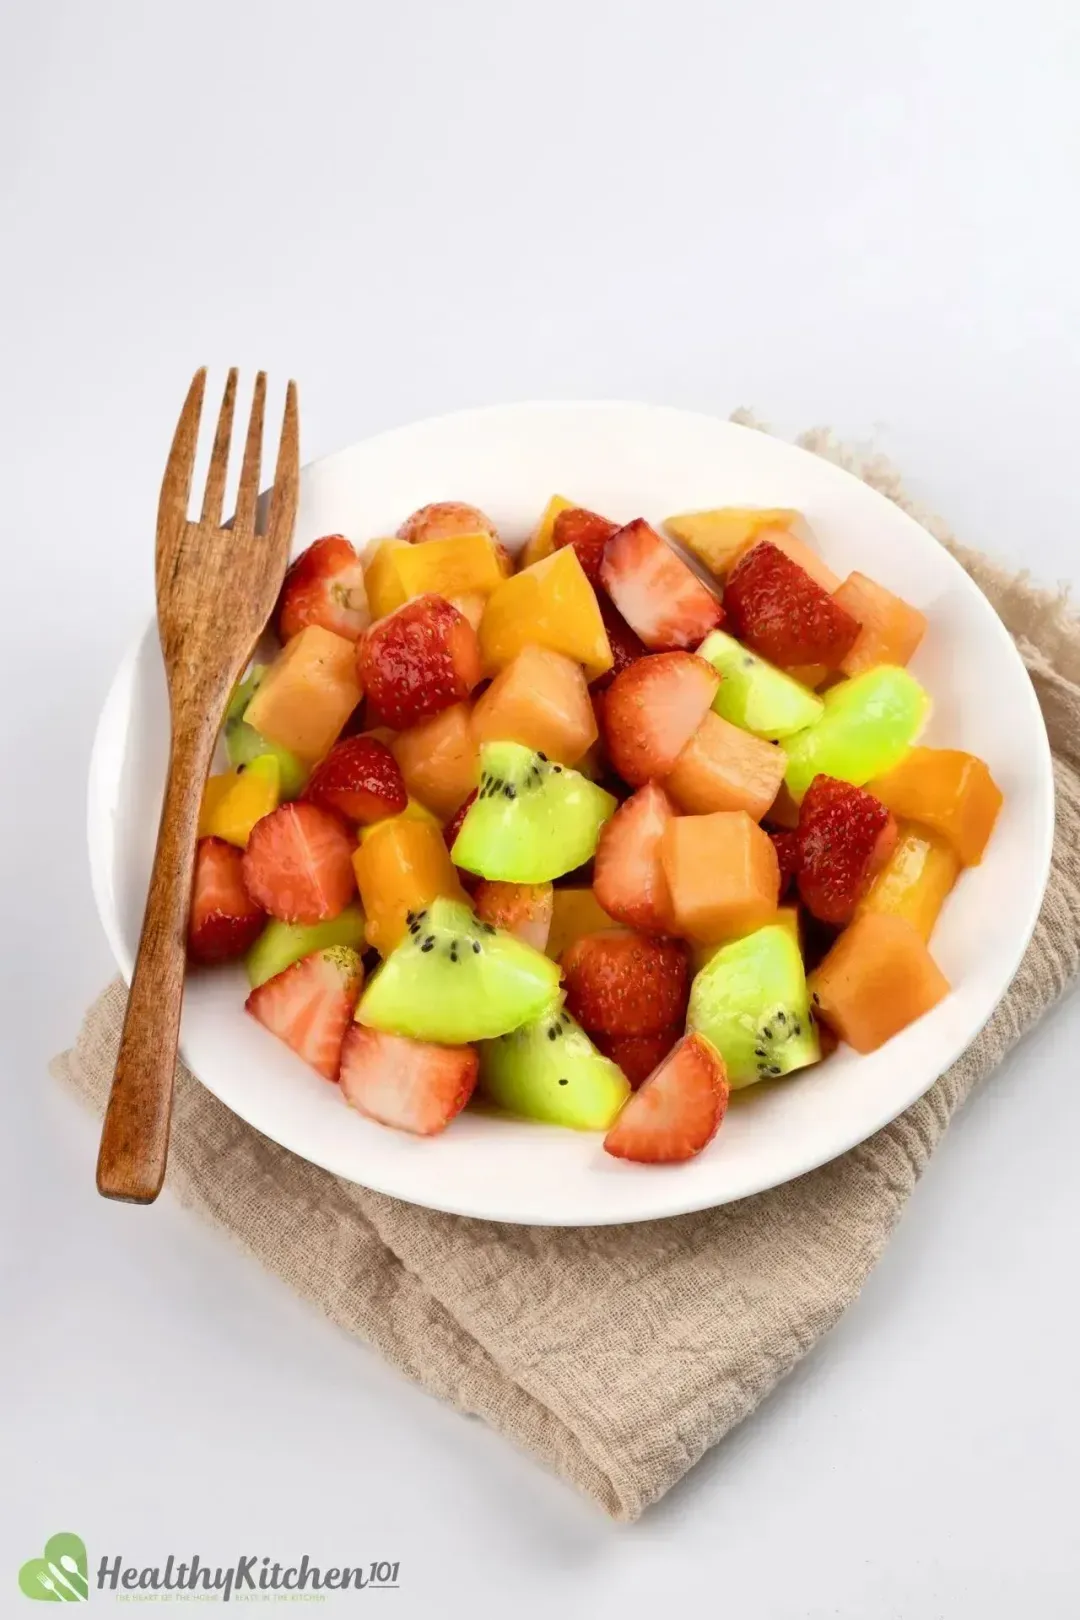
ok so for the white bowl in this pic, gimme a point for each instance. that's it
(625, 460)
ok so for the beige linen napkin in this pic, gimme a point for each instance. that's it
(618, 1355)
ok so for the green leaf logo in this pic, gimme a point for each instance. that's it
(60, 1574)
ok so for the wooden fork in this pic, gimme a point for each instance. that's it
(216, 589)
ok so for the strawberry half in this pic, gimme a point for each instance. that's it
(418, 661)
(588, 533)
(310, 1006)
(359, 779)
(638, 1055)
(298, 864)
(625, 984)
(626, 645)
(628, 877)
(677, 1111)
(845, 836)
(225, 921)
(778, 610)
(651, 711)
(657, 594)
(522, 909)
(325, 586)
(411, 1085)
(786, 845)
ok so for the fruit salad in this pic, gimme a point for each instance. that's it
(599, 838)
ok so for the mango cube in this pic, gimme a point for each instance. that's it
(541, 542)
(551, 604)
(307, 694)
(385, 591)
(719, 537)
(234, 801)
(878, 978)
(947, 790)
(462, 565)
(574, 913)
(413, 811)
(915, 879)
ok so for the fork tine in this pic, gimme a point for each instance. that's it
(283, 497)
(248, 492)
(176, 484)
(219, 457)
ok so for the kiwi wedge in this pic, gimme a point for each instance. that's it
(532, 819)
(243, 743)
(550, 1070)
(281, 944)
(754, 694)
(751, 1002)
(867, 726)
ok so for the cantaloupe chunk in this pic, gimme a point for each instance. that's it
(440, 758)
(891, 628)
(719, 537)
(723, 875)
(915, 879)
(463, 564)
(401, 867)
(574, 913)
(551, 604)
(724, 767)
(877, 978)
(541, 542)
(947, 790)
(540, 699)
(385, 591)
(786, 917)
(234, 801)
(307, 694)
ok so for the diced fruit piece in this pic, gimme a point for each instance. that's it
(542, 701)
(551, 604)
(521, 909)
(243, 743)
(868, 726)
(638, 1055)
(915, 879)
(780, 612)
(307, 694)
(461, 564)
(541, 543)
(532, 819)
(360, 780)
(878, 978)
(651, 711)
(281, 944)
(588, 533)
(845, 837)
(789, 917)
(786, 845)
(677, 1111)
(244, 796)
(628, 877)
(625, 984)
(385, 591)
(947, 790)
(891, 628)
(755, 695)
(574, 912)
(401, 867)
(657, 593)
(439, 759)
(626, 645)
(298, 864)
(413, 811)
(723, 875)
(443, 520)
(799, 551)
(324, 586)
(471, 607)
(419, 660)
(723, 767)
(752, 1003)
(224, 917)
(550, 1070)
(214, 790)
(412, 1085)
(718, 538)
(455, 979)
(310, 1005)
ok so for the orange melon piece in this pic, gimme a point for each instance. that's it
(877, 978)
(891, 628)
(810, 675)
(440, 758)
(719, 538)
(786, 917)
(723, 767)
(575, 912)
(723, 875)
(947, 790)
(385, 591)
(551, 604)
(413, 811)
(541, 699)
(915, 879)
(400, 867)
(541, 542)
(459, 566)
(307, 694)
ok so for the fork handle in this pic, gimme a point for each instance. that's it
(135, 1135)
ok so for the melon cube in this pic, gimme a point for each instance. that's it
(462, 565)
(723, 875)
(877, 978)
(541, 543)
(552, 605)
(891, 628)
(718, 538)
(540, 699)
(915, 879)
(307, 694)
(439, 758)
(947, 790)
(574, 913)
(382, 582)
(401, 866)
(724, 767)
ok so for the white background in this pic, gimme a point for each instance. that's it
(842, 212)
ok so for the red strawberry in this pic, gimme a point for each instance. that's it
(418, 661)
(628, 878)
(638, 1055)
(412, 1085)
(778, 610)
(298, 864)
(651, 711)
(625, 984)
(655, 591)
(786, 845)
(523, 909)
(677, 1111)
(588, 533)
(359, 779)
(225, 920)
(310, 1006)
(845, 835)
(626, 645)
(325, 585)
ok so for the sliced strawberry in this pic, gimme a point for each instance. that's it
(657, 594)
(786, 845)
(411, 1085)
(588, 533)
(298, 864)
(778, 610)
(628, 877)
(225, 921)
(625, 984)
(325, 585)
(626, 645)
(418, 661)
(310, 1006)
(651, 711)
(522, 909)
(677, 1111)
(359, 779)
(638, 1055)
(845, 836)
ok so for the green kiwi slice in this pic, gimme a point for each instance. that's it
(868, 725)
(551, 1071)
(281, 944)
(751, 1001)
(754, 694)
(243, 743)
(532, 819)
